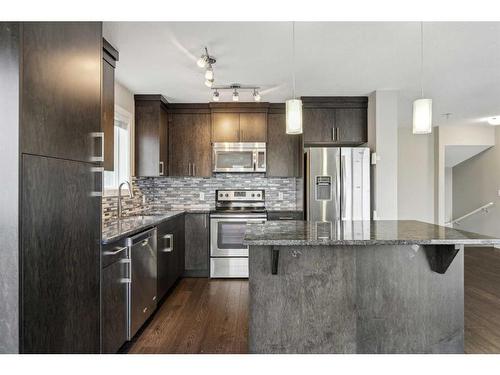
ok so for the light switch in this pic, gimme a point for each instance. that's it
(202, 196)
(499, 192)
(280, 196)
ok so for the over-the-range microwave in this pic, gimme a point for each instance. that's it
(239, 157)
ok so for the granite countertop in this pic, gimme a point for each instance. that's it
(403, 232)
(129, 225)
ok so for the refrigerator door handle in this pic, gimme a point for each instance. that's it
(342, 187)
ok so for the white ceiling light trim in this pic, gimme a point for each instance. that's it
(422, 108)
(293, 106)
(206, 61)
(494, 120)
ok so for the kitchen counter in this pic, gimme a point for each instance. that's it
(129, 225)
(402, 232)
(357, 287)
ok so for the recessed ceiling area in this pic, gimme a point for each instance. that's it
(461, 61)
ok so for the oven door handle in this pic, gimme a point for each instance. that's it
(240, 218)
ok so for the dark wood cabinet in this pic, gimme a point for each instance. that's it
(151, 135)
(284, 151)
(285, 215)
(110, 56)
(61, 89)
(239, 127)
(225, 127)
(170, 245)
(335, 120)
(60, 257)
(197, 245)
(190, 151)
(115, 277)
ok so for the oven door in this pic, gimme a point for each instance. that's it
(226, 236)
(234, 161)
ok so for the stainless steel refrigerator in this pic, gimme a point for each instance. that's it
(337, 183)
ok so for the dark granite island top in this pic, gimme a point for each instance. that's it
(357, 287)
(384, 232)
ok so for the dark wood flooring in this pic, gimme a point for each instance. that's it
(482, 300)
(211, 316)
(199, 316)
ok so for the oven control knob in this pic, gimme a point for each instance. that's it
(227, 195)
(258, 195)
(253, 195)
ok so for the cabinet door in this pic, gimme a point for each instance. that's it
(108, 114)
(253, 127)
(318, 125)
(225, 127)
(147, 138)
(61, 235)
(167, 262)
(283, 150)
(189, 145)
(114, 307)
(197, 245)
(163, 142)
(352, 124)
(61, 89)
(179, 245)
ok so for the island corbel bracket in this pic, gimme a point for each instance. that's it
(440, 257)
(275, 256)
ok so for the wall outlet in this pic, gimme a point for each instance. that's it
(374, 158)
(498, 192)
(144, 200)
(280, 196)
(202, 196)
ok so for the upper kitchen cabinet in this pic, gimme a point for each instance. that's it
(189, 140)
(284, 151)
(151, 135)
(61, 90)
(339, 120)
(239, 122)
(110, 57)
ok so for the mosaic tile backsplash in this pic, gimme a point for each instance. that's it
(183, 193)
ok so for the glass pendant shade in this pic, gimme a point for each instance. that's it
(422, 116)
(294, 116)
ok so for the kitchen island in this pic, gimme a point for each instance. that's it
(357, 287)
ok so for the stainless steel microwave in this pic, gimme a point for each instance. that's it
(239, 157)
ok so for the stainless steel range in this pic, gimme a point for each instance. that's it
(233, 210)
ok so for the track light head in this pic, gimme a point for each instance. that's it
(236, 96)
(216, 96)
(256, 96)
(202, 61)
(209, 74)
(209, 82)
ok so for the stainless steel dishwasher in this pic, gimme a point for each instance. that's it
(142, 291)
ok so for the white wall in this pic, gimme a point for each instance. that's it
(455, 135)
(476, 182)
(124, 99)
(386, 146)
(415, 176)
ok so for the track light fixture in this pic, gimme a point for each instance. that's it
(207, 61)
(236, 88)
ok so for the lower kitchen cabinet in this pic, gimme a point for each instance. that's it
(170, 245)
(285, 215)
(197, 245)
(114, 281)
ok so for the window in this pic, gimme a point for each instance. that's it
(121, 172)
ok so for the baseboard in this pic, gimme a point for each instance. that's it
(195, 273)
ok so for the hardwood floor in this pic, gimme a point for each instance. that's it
(482, 300)
(199, 316)
(211, 316)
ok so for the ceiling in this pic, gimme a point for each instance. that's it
(461, 62)
(456, 154)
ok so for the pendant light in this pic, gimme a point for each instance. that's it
(293, 106)
(422, 108)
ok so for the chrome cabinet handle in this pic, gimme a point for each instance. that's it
(342, 192)
(101, 136)
(189, 169)
(286, 218)
(162, 168)
(170, 247)
(125, 280)
(144, 243)
(116, 251)
(194, 169)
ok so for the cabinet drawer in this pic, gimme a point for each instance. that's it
(284, 215)
(228, 267)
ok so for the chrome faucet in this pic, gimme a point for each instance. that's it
(130, 195)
